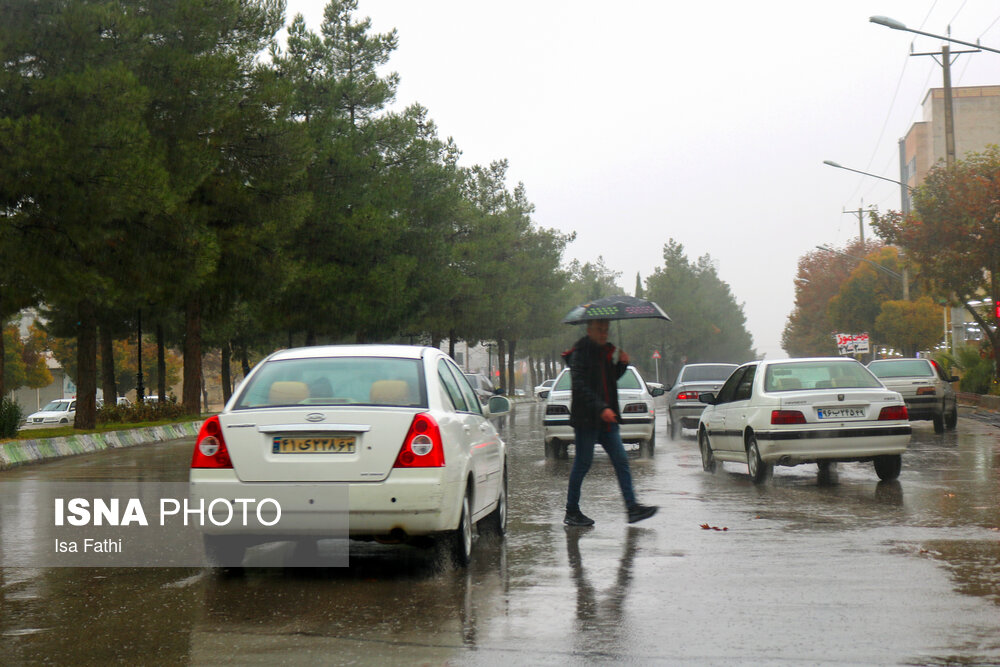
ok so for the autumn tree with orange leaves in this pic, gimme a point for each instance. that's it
(952, 235)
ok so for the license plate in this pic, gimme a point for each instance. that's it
(339, 444)
(840, 413)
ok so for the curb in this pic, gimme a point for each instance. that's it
(985, 402)
(23, 452)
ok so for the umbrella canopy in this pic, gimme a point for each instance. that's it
(615, 308)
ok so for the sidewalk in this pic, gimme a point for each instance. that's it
(22, 452)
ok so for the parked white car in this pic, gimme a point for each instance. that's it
(635, 402)
(59, 412)
(400, 426)
(925, 388)
(542, 390)
(794, 411)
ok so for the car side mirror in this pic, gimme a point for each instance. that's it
(708, 398)
(543, 394)
(954, 378)
(497, 406)
(657, 391)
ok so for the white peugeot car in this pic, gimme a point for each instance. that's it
(794, 411)
(400, 426)
(635, 403)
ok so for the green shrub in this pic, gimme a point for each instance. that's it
(10, 418)
(977, 369)
(140, 412)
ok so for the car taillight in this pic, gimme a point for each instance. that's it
(633, 408)
(422, 447)
(894, 412)
(924, 391)
(687, 396)
(210, 448)
(785, 417)
(556, 410)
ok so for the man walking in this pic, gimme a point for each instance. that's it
(594, 417)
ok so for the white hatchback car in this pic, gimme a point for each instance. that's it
(59, 412)
(794, 411)
(400, 426)
(635, 403)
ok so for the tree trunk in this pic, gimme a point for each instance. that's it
(244, 360)
(86, 364)
(191, 398)
(108, 384)
(3, 352)
(451, 346)
(501, 367)
(310, 338)
(161, 362)
(510, 367)
(533, 377)
(227, 381)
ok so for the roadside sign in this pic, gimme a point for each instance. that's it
(852, 343)
(656, 354)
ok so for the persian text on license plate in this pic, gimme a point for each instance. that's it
(338, 444)
(840, 413)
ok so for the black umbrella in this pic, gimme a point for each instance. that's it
(615, 308)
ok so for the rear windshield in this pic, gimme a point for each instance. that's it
(627, 381)
(904, 368)
(706, 373)
(336, 381)
(819, 375)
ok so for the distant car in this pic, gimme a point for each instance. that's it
(635, 402)
(542, 390)
(482, 386)
(398, 425)
(793, 411)
(925, 388)
(683, 406)
(58, 412)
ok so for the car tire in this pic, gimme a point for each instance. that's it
(888, 466)
(551, 449)
(459, 541)
(674, 430)
(951, 419)
(562, 450)
(647, 447)
(759, 471)
(708, 463)
(938, 420)
(495, 523)
(224, 551)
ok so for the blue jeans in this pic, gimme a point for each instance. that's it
(611, 440)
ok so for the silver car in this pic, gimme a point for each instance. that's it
(683, 406)
(925, 388)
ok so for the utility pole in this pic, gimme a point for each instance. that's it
(861, 220)
(949, 115)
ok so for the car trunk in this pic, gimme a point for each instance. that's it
(835, 406)
(265, 445)
(907, 386)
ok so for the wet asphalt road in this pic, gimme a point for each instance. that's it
(794, 572)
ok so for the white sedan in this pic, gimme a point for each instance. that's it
(635, 403)
(793, 411)
(398, 426)
(59, 412)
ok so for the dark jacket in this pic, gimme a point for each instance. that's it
(595, 382)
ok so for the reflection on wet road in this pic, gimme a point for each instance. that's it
(803, 569)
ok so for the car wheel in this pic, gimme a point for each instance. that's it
(938, 423)
(708, 463)
(563, 450)
(887, 467)
(759, 471)
(551, 449)
(225, 551)
(495, 522)
(951, 419)
(675, 430)
(460, 539)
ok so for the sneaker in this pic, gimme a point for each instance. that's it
(639, 512)
(577, 518)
